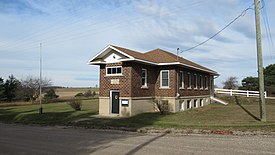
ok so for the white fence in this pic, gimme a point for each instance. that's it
(246, 93)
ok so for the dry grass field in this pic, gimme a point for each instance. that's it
(67, 93)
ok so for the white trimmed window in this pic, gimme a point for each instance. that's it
(201, 81)
(195, 103)
(195, 81)
(181, 79)
(206, 82)
(144, 77)
(189, 80)
(117, 70)
(164, 78)
(188, 106)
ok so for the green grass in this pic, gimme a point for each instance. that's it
(53, 114)
(241, 114)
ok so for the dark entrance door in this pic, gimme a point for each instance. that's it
(115, 102)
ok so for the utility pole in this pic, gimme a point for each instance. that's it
(260, 61)
(40, 81)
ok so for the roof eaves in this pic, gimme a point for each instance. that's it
(179, 63)
(114, 48)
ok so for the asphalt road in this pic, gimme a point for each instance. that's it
(20, 139)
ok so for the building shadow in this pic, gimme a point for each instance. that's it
(248, 112)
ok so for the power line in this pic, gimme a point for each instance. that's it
(268, 32)
(65, 36)
(241, 15)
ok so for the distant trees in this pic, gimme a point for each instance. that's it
(50, 95)
(231, 83)
(2, 89)
(31, 87)
(10, 87)
(87, 93)
(251, 83)
(26, 89)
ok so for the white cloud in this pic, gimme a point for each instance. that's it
(74, 31)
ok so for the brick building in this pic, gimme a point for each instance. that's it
(130, 81)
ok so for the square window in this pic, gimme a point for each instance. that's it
(113, 70)
(118, 70)
(109, 71)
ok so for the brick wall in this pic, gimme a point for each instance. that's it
(130, 82)
(124, 80)
(166, 92)
(137, 90)
(193, 92)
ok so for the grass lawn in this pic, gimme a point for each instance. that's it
(241, 114)
(53, 113)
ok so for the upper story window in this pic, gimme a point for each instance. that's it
(201, 82)
(181, 79)
(117, 70)
(206, 82)
(164, 78)
(195, 81)
(189, 80)
(144, 77)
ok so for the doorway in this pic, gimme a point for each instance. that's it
(114, 94)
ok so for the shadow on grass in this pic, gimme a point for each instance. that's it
(134, 122)
(47, 118)
(248, 112)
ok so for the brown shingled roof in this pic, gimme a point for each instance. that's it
(161, 56)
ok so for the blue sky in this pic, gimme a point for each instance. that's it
(73, 31)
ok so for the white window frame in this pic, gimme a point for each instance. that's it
(196, 81)
(119, 74)
(145, 83)
(206, 82)
(189, 80)
(195, 103)
(188, 104)
(201, 102)
(161, 86)
(201, 81)
(181, 80)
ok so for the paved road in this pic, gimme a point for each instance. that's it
(19, 139)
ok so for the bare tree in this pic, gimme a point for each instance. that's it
(231, 83)
(30, 87)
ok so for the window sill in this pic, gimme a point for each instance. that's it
(164, 88)
(189, 88)
(113, 75)
(144, 87)
(181, 88)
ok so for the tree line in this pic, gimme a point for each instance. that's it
(27, 89)
(251, 83)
